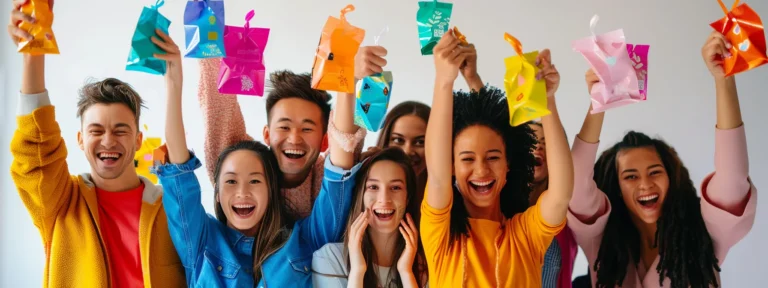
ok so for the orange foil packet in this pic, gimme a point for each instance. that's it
(744, 29)
(43, 42)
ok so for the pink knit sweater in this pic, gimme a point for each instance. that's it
(224, 125)
(728, 204)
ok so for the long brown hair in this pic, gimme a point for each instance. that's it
(271, 233)
(686, 251)
(418, 109)
(358, 206)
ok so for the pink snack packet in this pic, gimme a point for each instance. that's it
(638, 54)
(242, 71)
(607, 55)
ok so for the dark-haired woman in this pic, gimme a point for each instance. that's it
(247, 242)
(648, 227)
(476, 225)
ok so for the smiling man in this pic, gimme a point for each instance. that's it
(297, 121)
(106, 228)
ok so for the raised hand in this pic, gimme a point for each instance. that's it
(449, 57)
(16, 33)
(356, 232)
(469, 67)
(714, 51)
(591, 78)
(369, 60)
(411, 234)
(548, 72)
(172, 57)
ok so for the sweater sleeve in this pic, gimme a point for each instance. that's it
(39, 167)
(222, 119)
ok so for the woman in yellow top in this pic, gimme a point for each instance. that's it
(489, 238)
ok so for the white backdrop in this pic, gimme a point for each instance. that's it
(94, 39)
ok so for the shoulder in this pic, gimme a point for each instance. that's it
(330, 259)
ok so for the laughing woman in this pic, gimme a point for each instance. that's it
(382, 239)
(248, 241)
(476, 226)
(648, 228)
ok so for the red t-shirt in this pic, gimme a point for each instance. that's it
(119, 220)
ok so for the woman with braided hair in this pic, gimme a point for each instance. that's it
(649, 228)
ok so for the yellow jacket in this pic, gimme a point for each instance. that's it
(65, 210)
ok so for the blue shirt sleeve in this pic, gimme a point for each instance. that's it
(187, 221)
(327, 222)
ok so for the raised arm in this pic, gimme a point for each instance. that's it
(187, 220)
(554, 202)
(729, 187)
(587, 202)
(222, 119)
(439, 140)
(39, 167)
(469, 70)
(343, 123)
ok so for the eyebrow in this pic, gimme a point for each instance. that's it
(118, 125)
(635, 170)
(401, 135)
(489, 151)
(252, 173)
(377, 180)
(308, 121)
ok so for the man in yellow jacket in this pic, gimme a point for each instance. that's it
(106, 228)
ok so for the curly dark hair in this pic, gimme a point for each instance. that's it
(687, 256)
(488, 107)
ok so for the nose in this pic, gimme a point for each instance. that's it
(242, 191)
(481, 169)
(108, 141)
(408, 149)
(646, 183)
(383, 197)
(294, 137)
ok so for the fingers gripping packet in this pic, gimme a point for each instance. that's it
(607, 55)
(526, 96)
(43, 42)
(204, 28)
(433, 20)
(638, 55)
(373, 94)
(243, 71)
(142, 49)
(334, 66)
(744, 29)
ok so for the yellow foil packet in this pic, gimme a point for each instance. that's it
(526, 96)
(44, 42)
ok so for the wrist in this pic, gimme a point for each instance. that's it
(444, 84)
(357, 271)
(724, 81)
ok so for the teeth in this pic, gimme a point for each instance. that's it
(294, 152)
(486, 183)
(648, 198)
(244, 206)
(109, 155)
(384, 211)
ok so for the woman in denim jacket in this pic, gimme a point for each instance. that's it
(249, 242)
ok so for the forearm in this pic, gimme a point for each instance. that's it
(474, 82)
(409, 280)
(439, 145)
(356, 277)
(33, 75)
(174, 127)
(560, 168)
(592, 127)
(728, 110)
(344, 121)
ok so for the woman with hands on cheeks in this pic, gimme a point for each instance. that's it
(636, 213)
(382, 240)
(476, 227)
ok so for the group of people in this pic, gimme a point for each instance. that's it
(450, 196)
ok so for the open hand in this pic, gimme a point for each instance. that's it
(356, 232)
(172, 57)
(369, 60)
(411, 234)
(714, 51)
(548, 72)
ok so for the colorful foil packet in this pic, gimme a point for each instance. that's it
(43, 42)
(608, 56)
(744, 29)
(460, 36)
(141, 58)
(638, 54)
(526, 96)
(144, 159)
(243, 71)
(433, 20)
(334, 65)
(373, 95)
(204, 28)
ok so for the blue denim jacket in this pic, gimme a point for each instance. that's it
(215, 255)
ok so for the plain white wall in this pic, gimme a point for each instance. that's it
(94, 38)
